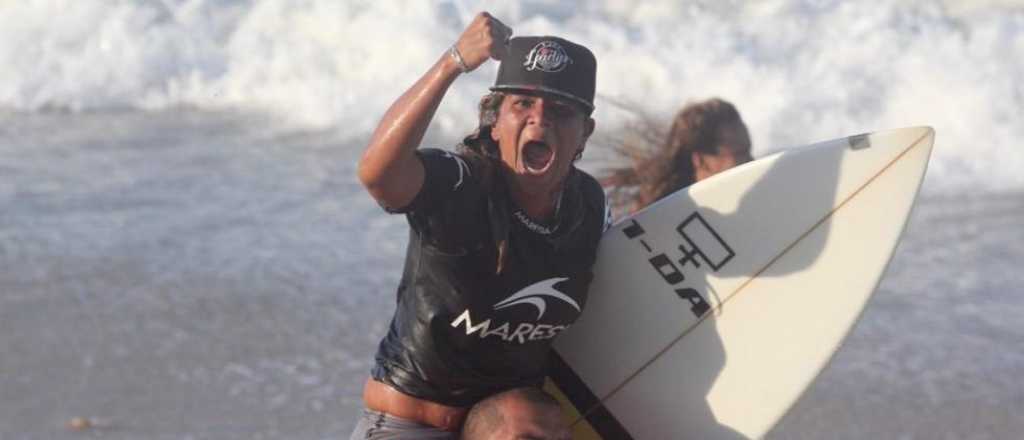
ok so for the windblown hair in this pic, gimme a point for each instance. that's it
(655, 172)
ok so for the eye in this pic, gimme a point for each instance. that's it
(561, 110)
(522, 103)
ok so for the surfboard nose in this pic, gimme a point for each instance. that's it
(914, 137)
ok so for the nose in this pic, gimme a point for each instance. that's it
(539, 113)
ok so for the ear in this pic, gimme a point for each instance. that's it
(588, 129)
(697, 160)
(494, 133)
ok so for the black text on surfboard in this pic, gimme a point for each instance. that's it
(703, 243)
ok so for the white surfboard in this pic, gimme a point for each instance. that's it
(714, 309)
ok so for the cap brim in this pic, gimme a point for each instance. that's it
(543, 89)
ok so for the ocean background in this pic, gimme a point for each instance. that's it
(185, 252)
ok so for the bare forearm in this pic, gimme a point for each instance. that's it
(406, 121)
(389, 168)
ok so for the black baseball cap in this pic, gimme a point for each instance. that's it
(549, 65)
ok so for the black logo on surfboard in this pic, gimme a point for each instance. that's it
(702, 245)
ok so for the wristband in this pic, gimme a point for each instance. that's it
(454, 53)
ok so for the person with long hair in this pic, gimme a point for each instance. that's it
(503, 231)
(705, 138)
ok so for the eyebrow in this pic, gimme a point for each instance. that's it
(547, 98)
(536, 437)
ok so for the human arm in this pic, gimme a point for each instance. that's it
(389, 168)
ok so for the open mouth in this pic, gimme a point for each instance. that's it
(537, 156)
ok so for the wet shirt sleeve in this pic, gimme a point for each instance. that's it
(444, 174)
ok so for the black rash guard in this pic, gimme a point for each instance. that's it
(461, 331)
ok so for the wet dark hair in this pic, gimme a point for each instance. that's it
(482, 152)
(653, 173)
(478, 146)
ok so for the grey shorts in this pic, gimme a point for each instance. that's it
(375, 425)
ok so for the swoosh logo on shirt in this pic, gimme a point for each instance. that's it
(535, 295)
(463, 168)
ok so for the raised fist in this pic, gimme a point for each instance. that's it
(485, 37)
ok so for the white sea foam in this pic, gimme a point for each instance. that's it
(799, 71)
